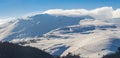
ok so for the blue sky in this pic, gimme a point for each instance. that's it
(17, 8)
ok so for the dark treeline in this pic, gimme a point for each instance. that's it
(9, 50)
(114, 55)
(71, 56)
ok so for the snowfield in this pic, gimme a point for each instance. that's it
(86, 40)
(88, 33)
(35, 26)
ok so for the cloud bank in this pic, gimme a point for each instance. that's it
(5, 20)
(87, 22)
(98, 13)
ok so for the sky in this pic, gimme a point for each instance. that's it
(18, 8)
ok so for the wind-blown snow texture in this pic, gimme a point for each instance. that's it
(91, 34)
(92, 41)
(36, 26)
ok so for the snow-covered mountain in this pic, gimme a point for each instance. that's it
(88, 33)
(60, 35)
(35, 26)
(92, 38)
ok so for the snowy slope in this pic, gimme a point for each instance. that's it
(35, 26)
(92, 38)
(60, 32)
(6, 28)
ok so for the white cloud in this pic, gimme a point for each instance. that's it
(116, 13)
(87, 22)
(72, 12)
(101, 13)
(4, 20)
(98, 13)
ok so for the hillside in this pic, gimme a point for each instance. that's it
(35, 26)
(91, 40)
(9, 50)
(92, 33)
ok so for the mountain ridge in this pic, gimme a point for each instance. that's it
(37, 25)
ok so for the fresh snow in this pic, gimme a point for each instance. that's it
(35, 26)
(91, 41)
(92, 35)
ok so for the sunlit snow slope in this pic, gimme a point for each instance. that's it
(92, 38)
(88, 33)
(35, 26)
